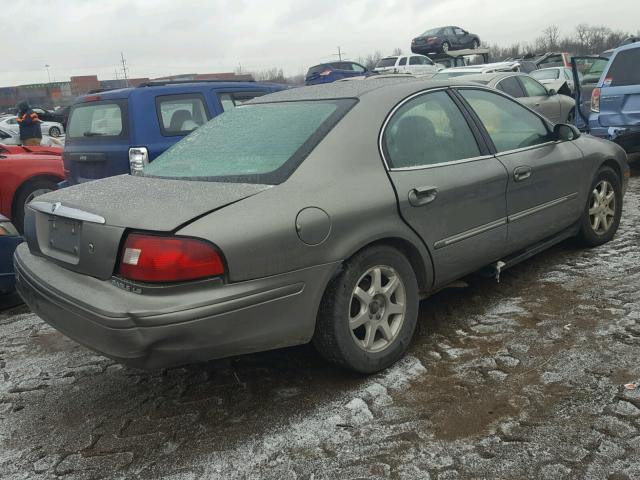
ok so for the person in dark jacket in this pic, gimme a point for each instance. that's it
(30, 131)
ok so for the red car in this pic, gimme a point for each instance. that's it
(26, 172)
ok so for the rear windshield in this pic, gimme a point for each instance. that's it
(95, 119)
(433, 31)
(442, 75)
(625, 69)
(262, 143)
(387, 62)
(545, 74)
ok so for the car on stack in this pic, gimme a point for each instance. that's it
(413, 64)
(444, 39)
(255, 233)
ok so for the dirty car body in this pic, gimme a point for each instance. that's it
(285, 212)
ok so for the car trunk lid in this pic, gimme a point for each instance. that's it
(81, 227)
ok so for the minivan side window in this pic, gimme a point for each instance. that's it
(428, 130)
(231, 100)
(180, 114)
(625, 69)
(509, 124)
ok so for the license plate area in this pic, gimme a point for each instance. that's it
(64, 235)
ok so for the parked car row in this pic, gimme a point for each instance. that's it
(53, 129)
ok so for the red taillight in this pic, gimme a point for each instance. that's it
(156, 258)
(595, 100)
(326, 72)
(92, 98)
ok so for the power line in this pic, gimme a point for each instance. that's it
(124, 69)
(339, 54)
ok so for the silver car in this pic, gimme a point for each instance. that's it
(318, 214)
(545, 100)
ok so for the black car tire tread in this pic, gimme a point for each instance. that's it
(332, 337)
(586, 235)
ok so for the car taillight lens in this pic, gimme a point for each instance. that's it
(165, 259)
(138, 159)
(595, 100)
(325, 72)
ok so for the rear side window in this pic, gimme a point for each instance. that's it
(510, 125)
(511, 86)
(532, 88)
(357, 68)
(428, 130)
(180, 114)
(403, 61)
(261, 143)
(625, 69)
(547, 74)
(232, 100)
(93, 119)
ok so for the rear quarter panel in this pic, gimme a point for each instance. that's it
(344, 176)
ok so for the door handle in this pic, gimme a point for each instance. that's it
(419, 196)
(521, 173)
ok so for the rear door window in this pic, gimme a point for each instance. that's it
(625, 69)
(181, 114)
(428, 130)
(511, 86)
(97, 119)
(532, 88)
(403, 61)
(231, 100)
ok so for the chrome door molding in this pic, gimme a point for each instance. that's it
(502, 221)
(543, 206)
(470, 233)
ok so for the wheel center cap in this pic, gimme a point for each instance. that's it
(377, 305)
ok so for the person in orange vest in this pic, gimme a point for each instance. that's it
(29, 123)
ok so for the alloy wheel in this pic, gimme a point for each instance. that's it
(445, 47)
(377, 309)
(54, 131)
(602, 207)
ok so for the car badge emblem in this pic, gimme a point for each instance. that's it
(83, 158)
(55, 206)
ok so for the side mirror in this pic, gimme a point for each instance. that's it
(552, 92)
(565, 132)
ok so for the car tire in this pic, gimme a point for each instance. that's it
(26, 193)
(475, 45)
(446, 47)
(54, 132)
(371, 346)
(601, 216)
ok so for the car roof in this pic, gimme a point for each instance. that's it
(629, 46)
(357, 89)
(480, 68)
(177, 88)
(492, 76)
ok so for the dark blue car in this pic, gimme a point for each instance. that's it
(332, 71)
(9, 240)
(120, 131)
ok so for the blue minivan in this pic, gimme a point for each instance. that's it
(120, 131)
(608, 97)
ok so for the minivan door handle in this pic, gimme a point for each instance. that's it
(419, 196)
(521, 173)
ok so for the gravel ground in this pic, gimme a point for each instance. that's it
(521, 379)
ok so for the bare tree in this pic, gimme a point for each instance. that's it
(551, 35)
(397, 51)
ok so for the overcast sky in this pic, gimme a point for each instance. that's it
(161, 37)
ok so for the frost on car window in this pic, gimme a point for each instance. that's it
(246, 141)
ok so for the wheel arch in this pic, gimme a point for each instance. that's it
(26, 183)
(615, 166)
(419, 258)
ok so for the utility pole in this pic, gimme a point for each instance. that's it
(124, 69)
(48, 74)
(339, 54)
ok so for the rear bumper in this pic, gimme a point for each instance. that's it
(178, 327)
